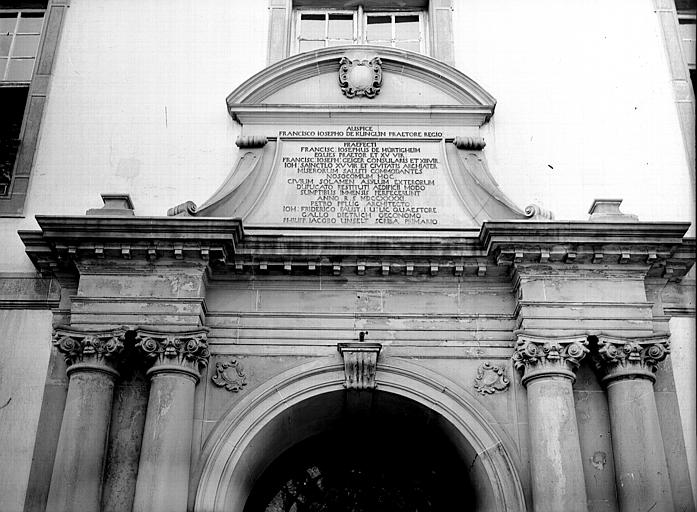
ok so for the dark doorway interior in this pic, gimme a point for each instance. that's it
(387, 454)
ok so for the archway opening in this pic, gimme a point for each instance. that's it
(366, 452)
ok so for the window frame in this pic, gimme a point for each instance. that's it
(437, 25)
(360, 26)
(12, 204)
(10, 57)
(297, 34)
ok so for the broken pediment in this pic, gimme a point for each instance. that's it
(360, 136)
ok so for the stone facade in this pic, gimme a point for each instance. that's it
(357, 312)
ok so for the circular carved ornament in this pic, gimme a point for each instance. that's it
(360, 77)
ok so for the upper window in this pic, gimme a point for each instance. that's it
(316, 29)
(20, 32)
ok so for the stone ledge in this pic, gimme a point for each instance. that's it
(28, 291)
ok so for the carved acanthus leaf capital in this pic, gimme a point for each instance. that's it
(538, 357)
(360, 364)
(89, 349)
(618, 358)
(183, 351)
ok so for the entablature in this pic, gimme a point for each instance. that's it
(646, 249)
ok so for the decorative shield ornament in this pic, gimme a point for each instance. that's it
(230, 375)
(490, 379)
(360, 77)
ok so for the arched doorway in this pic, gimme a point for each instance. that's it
(249, 456)
(382, 452)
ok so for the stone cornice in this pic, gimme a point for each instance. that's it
(64, 240)
(646, 249)
(629, 358)
(89, 350)
(538, 357)
(174, 352)
(658, 247)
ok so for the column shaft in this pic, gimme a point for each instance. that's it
(637, 444)
(555, 452)
(163, 474)
(548, 366)
(165, 455)
(76, 483)
(641, 471)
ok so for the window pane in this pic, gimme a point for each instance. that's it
(20, 69)
(306, 46)
(312, 26)
(31, 22)
(406, 27)
(379, 28)
(25, 46)
(340, 26)
(5, 42)
(412, 46)
(7, 23)
(3, 64)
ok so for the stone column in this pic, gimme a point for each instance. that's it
(641, 472)
(548, 366)
(163, 471)
(76, 482)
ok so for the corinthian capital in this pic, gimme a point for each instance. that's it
(618, 358)
(175, 352)
(540, 356)
(89, 350)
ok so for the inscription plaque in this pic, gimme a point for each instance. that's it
(383, 181)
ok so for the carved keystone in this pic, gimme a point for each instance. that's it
(360, 364)
(618, 358)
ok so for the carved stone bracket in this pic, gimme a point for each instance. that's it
(360, 77)
(490, 379)
(183, 352)
(230, 375)
(360, 364)
(89, 350)
(542, 357)
(618, 358)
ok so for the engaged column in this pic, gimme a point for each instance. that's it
(641, 472)
(163, 471)
(548, 366)
(76, 482)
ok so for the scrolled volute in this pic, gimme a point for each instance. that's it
(89, 347)
(637, 357)
(188, 350)
(537, 356)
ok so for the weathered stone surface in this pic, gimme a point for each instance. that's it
(125, 438)
(76, 483)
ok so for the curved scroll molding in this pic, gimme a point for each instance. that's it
(222, 470)
(478, 189)
(240, 190)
